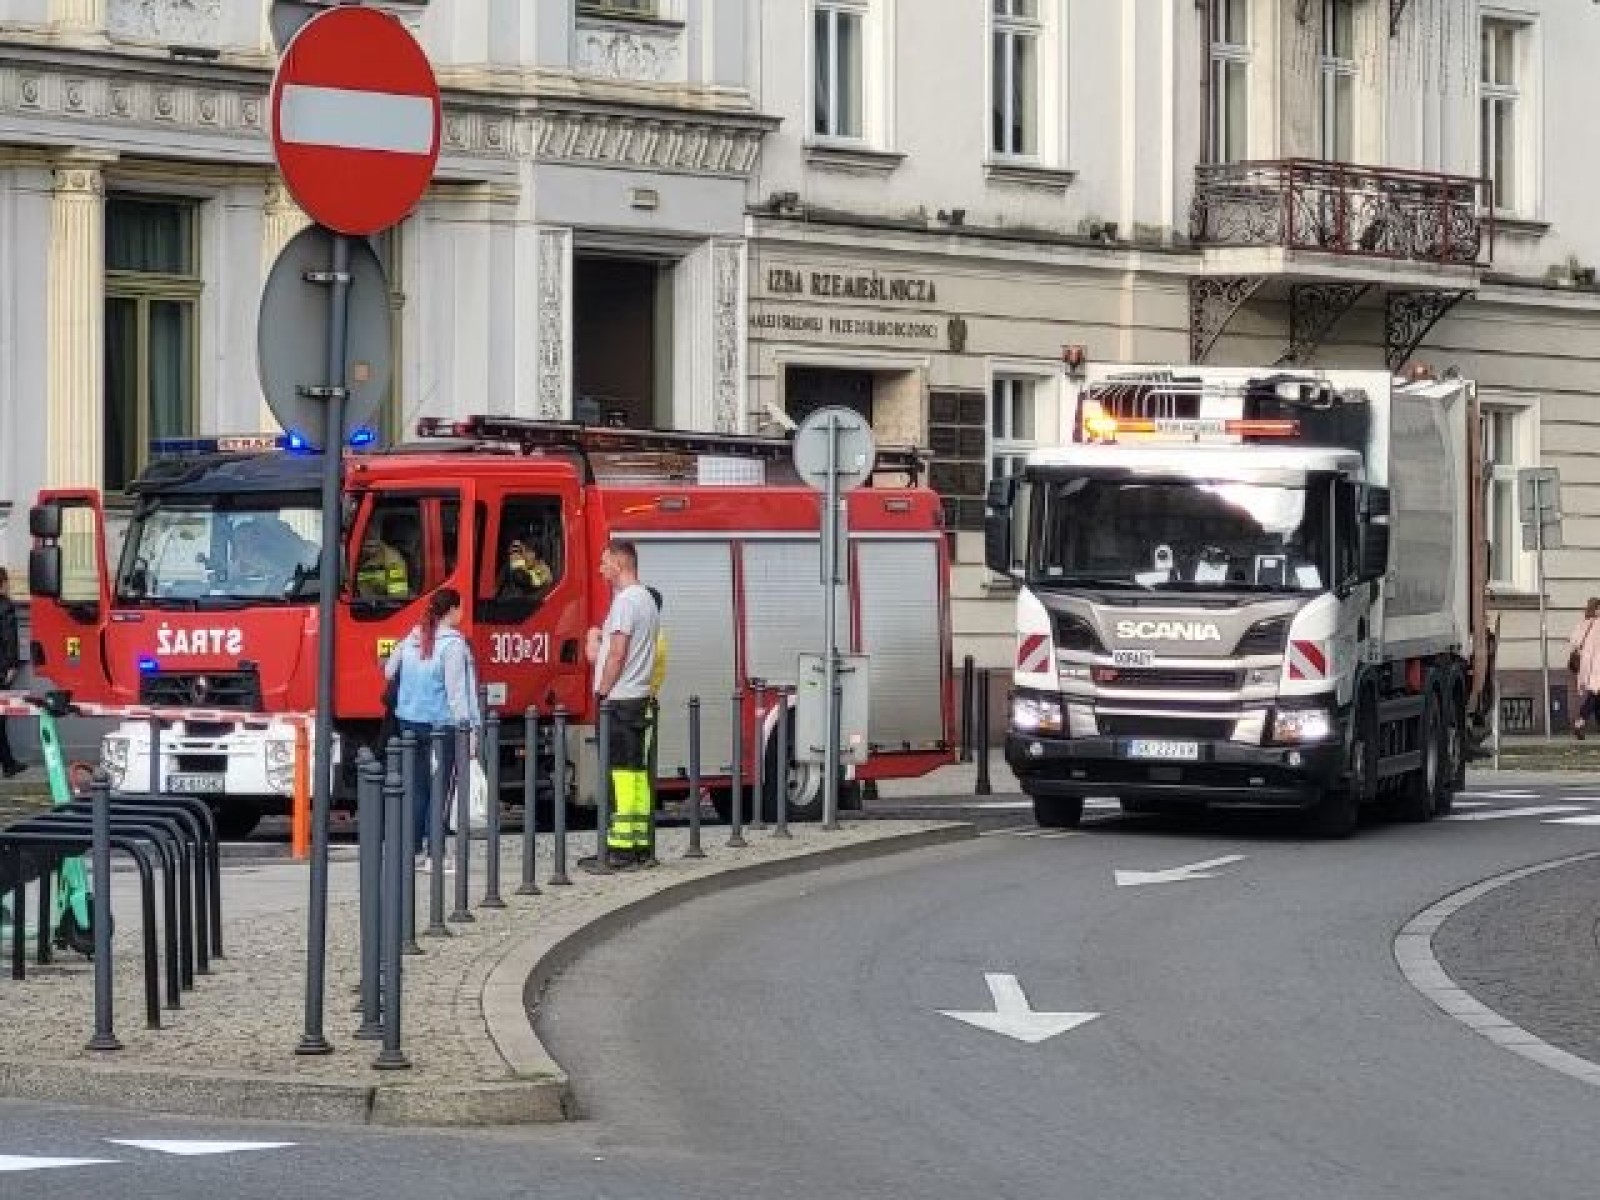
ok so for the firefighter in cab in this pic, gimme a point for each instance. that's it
(526, 572)
(381, 572)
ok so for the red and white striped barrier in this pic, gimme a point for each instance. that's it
(17, 704)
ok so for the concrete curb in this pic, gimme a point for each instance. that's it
(518, 981)
(532, 1090)
(1413, 952)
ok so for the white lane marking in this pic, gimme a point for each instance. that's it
(1474, 804)
(1588, 819)
(1024, 832)
(1001, 805)
(353, 120)
(195, 1149)
(1502, 795)
(1199, 870)
(1504, 814)
(1058, 835)
(1014, 1017)
(27, 1162)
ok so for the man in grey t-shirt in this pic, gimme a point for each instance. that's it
(624, 661)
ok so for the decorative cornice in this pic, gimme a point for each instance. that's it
(124, 95)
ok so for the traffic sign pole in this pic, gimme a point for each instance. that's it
(313, 1040)
(1544, 624)
(830, 627)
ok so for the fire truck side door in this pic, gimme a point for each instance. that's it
(398, 557)
(528, 610)
(71, 589)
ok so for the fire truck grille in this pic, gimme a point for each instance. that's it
(1166, 727)
(202, 689)
(1173, 679)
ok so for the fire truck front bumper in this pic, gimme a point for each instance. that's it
(1162, 772)
(207, 762)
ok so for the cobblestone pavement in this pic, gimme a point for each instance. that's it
(246, 1016)
(1530, 950)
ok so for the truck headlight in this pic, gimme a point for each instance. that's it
(1032, 712)
(1296, 725)
(280, 764)
(114, 758)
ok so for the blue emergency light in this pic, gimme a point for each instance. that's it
(148, 665)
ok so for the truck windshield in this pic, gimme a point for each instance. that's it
(1181, 534)
(206, 551)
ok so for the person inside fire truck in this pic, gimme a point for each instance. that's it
(270, 555)
(526, 573)
(381, 572)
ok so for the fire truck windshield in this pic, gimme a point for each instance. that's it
(1182, 534)
(217, 551)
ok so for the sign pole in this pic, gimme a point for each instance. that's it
(1544, 627)
(313, 1041)
(830, 623)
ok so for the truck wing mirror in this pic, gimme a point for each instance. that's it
(44, 521)
(1374, 553)
(44, 571)
(1000, 499)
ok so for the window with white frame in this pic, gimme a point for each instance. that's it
(1338, 80)
(1230, 80)
(1503, 112)
(1509, 443)
(1013, 423)
(1014, 85)
(838, 83)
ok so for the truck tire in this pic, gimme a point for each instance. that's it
(1454, 777)
(1058, 812)
(1419, 795)
(1338, 812)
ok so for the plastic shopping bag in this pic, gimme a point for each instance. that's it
(478, 802)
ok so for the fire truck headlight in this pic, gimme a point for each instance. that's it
(1034, 712)
(1296, 725)
(280, 764)
(114, 758)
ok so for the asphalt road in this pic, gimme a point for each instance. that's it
(1253, 1038)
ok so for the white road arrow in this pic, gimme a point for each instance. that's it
(1199, 870)
(1014, 1016)
(193, 1149)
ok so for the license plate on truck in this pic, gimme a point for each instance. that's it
(1164, 751)
(196, 785)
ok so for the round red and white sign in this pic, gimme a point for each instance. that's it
(355, 120)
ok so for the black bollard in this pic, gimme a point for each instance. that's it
(105, 1037)
(155, 758)
(530, 801)
(758, 762)
(462, 913)
(369, 835)
(491, 867)
(966, 708)
(602, 792)
(392, 971)
(694, 850)
(439, 800)
(781, 783)
(981, 737)
(558, 869)
(408, 900)
(736, 830)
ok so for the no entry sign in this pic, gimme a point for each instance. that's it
(355, 120)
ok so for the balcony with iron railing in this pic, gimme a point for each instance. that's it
(1359, 221)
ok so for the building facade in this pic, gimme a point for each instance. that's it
(720, 214)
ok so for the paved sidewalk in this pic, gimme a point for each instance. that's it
(475, 1059)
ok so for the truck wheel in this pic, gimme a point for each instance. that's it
(1338, 812)
(1058, 812)
(1454, 777)
(1419, 797)
(236, 821)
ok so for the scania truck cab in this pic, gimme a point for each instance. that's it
(1245, 589)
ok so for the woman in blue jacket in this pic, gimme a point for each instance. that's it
(438, 689)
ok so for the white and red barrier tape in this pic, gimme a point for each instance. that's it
(15, 704)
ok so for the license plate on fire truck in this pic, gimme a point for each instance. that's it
(1164, 751)
(196, 785)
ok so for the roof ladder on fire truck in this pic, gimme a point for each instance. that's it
(528, 435)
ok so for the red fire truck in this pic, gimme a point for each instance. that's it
(213, 600)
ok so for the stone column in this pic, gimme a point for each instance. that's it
(282, 218)
(709, 341)
(79, 20)
(553, 324)
(76, 305)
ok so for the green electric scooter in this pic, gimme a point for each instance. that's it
(70, 898)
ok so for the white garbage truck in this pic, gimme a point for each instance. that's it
(1251, 589)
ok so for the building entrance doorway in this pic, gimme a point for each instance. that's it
(621, 341)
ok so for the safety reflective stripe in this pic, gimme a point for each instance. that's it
(1307, 661)
(1033, 653)
(630, 823)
